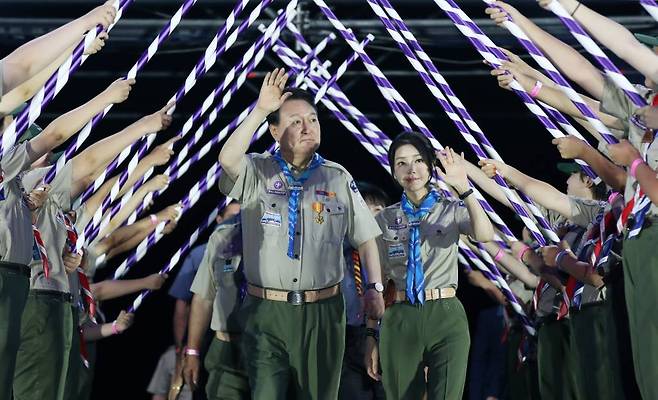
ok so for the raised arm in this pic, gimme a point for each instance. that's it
(32, 57)
(106, 149)
(455, 175)
(613, 36)
(625, 154)
(571, 148)
(567, 59)
(549, 92)
(511, 265)
(113, 288)
(541, 192)
(66, 125)
(271, 97)
(22, 93)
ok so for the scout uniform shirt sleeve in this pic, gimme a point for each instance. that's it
(584, 211)
(204, 283)
(16, 161)
(2, 79)
(245, 186)
(463, 219)
(361, 225)
(60, 188)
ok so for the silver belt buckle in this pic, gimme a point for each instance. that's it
(296, 297)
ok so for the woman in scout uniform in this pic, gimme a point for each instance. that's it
(426, 326)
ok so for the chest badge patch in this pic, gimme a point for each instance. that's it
(397, 225)
(396, 250)
(317, 209)
(271, 219)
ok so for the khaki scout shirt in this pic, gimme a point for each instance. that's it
(216, 279)
(439, 234)
(2, 79)
(16, 240)
(262, 190)
(53, 230)
(550, 298)
(615, 102)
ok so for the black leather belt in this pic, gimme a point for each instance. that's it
(52, 294)
(14, 267)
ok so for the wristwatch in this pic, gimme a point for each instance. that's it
(378, 286)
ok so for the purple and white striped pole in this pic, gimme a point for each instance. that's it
(592, 48)
(493, 55)
(651, 7)
(188, 202)
(177, 256)
(54, 84)
(262, 44)
(379, 147)
(511, 196)
(202, 67)
(557, 77)
(371, 150)
(146, 56)
(491, 272)
(379, 77)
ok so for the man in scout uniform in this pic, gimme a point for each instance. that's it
(16, 245)
(296, 211)
(219, 287)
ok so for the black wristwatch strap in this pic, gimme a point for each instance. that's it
(372, 332)
(466, 194)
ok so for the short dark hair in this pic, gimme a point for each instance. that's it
(297, 94)
(373, 194)
(420, 142)
(599, 192)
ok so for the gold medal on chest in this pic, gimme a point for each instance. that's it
(318, 207)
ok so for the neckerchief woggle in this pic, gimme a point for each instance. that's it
(295, 188)
(415, 275)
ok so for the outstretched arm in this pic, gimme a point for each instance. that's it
(66, 125)
(32, 57)
(613, 36)
(105, 150)
(541, 192)
(566, 58)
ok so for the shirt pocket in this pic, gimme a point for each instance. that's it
(396, 245)
(439, 236)
(330, 224)
(273, 215)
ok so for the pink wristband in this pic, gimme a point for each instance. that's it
(499, 255)
(522, 253)
(636, 163)
(115, 330)
(535, 90)
(192, 352)
(154, 219)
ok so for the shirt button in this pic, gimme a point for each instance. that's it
(296, 256)
(273, 204)
(395, 238)
(298, 233)
(294, 280)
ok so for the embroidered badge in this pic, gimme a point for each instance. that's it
(325, 193)
(317, 209)
(278, 189)
(228, 265)
(271, 219)
(397, 227)
(278, 185)
(353, 186)
(396, 250)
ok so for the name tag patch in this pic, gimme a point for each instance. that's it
(325, 193)
(396, 250)
(397, 227)
(277, 192)
(271, 219)
(228, 265)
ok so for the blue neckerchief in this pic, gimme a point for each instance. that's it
(295, 188)
(415, 275)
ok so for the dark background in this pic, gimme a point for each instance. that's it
(126, 362)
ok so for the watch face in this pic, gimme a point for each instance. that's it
(379, 287)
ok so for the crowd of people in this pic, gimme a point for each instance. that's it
(315, 286)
